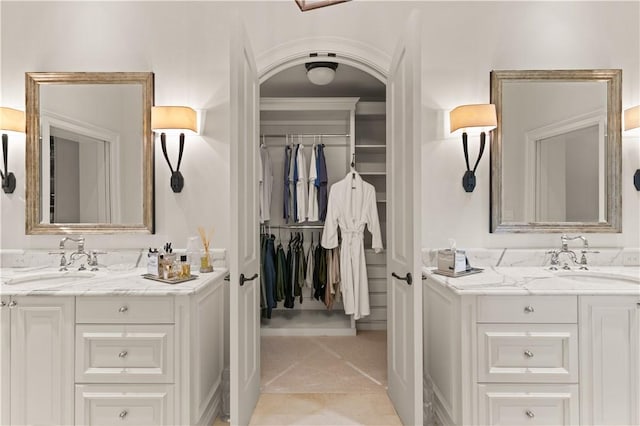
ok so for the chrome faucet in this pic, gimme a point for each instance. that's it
(564, 249)
(75, 255)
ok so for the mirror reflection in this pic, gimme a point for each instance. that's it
(556, 151)
(92, 154)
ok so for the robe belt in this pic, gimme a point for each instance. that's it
(351, 234)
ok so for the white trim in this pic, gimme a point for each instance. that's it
(599, 118)
(349, 52)
(50, 119)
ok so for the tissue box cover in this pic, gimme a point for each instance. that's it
(452, 261)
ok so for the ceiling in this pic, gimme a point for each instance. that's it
(349, 82)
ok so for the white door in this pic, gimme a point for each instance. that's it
(244, 309)
(5, 366)
(404, 296)
(42, 381)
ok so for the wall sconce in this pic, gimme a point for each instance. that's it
(481, 117)
(632, 121)
(14, 121)
(305, 5)
(171, 119)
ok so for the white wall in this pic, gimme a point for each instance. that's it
(186, 46)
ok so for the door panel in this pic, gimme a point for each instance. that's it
(404, 338)
(244, 307)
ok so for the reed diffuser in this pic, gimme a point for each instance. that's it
(205, 259)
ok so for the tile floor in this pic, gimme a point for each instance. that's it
(325, 381)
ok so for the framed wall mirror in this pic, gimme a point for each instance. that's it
(556, 152)
(89, 157)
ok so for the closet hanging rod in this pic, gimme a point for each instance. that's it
(294, 226)
(326, 145)
(324, 135)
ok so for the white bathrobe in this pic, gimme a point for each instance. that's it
(352, 205)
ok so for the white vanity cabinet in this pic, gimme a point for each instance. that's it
(610, 360)
(37, 360)
(114, 356)
(530, 359)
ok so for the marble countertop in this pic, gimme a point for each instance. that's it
(106, 282)
(605, 280)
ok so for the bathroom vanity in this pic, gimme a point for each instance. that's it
(519, 345)
(110, 348)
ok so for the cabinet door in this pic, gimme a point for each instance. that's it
(5, 366)
(42, 360)
(609, 358)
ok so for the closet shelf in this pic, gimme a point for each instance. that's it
(370, 146)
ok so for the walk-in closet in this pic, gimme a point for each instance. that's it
(345, 120)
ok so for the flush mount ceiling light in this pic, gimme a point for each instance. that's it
(305, 5)
(321, 73)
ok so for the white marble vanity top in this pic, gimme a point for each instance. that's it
(103, 283)
(612, 280)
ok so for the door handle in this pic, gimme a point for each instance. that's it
(243, 279)
(408, 278)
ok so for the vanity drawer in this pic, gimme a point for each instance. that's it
(528, 309)
(528, 353)
(528, 404)
(124, 405)
(124, 353)
(124, 309)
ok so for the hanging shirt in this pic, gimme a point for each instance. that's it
(352, 207)
(293, 208)
(312, 208)
(321, 183)
(266, 184)
(287, 190)
(308, 278)
(301, 184)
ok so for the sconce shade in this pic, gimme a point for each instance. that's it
(12, 120)
(632, 118)
(479, 116)
(165, 118)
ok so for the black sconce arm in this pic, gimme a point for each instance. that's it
(8, 178)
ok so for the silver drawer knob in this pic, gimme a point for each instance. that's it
(123, 414)
(528, 354)
(123, 354)
(3, 304)
(529, 309)
(123, 309)
(530, 414)
(12, 303)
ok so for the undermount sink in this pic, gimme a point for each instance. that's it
(51, 277)
(598, 277)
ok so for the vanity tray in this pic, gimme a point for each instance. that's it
(459, 274)
(173, 281)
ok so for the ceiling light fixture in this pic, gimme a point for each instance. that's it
(321, 73)
(306, 5)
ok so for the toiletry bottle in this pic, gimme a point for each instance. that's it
(185, 267)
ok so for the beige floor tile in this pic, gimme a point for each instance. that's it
(324, 381)
(324, 409)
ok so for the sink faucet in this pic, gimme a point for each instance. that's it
(564, 249)
(76, 254)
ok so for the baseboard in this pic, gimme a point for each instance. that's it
(213, 408)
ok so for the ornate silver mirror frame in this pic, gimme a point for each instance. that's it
(35, 225)
(610, 220)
